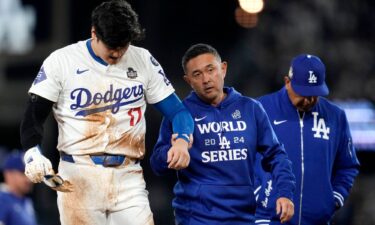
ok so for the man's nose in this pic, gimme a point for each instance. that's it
(206, 78)
(116, 54)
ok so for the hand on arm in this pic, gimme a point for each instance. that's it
(182, 123)
(285, 208)
(178, 155)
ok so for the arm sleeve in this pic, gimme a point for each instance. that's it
(31, 129)
(158, 159)
(275, 159)
(175, 112)
(346, 165)
(259, 175)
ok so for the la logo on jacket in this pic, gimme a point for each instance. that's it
(320, 127)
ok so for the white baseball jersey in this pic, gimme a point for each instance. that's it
(100, 108)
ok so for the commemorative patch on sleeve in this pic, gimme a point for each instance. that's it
(41, 76)
(154, 61)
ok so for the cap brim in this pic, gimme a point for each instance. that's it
(321, 90)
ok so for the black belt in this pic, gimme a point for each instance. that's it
(105, 160)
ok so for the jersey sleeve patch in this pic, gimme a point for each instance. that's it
(40, 77)
(154, 61)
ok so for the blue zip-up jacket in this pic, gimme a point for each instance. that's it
(319, 144)
(218, 185)
(15, 210)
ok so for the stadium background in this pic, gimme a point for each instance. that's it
(342, 33)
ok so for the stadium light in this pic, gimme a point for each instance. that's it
(251, 6)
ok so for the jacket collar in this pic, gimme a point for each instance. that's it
(283, 93)
(232, 95)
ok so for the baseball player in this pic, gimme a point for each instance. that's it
(217, 187)
(317, 138)
(98, 89)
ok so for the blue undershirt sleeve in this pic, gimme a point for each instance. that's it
(173, 109)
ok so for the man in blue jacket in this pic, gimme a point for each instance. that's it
(218, 185)
(15, 207)
(316, 136)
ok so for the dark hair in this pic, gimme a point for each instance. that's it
(116, 23)
(196, 50)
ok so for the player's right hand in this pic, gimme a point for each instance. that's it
(178, 154)
(36, 165)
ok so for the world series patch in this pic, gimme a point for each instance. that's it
(132, 74)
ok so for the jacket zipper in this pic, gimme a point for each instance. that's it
(302, 166)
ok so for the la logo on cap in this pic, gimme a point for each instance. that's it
(312, 78)
(307, 76)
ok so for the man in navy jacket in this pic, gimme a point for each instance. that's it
(218, 185)
(316, 136)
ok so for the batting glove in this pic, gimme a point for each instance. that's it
(36, 165)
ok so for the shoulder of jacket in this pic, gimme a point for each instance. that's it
(329, 105)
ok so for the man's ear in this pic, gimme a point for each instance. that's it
(287, 82)
(224, 66)
(186, 78)
(93, 33)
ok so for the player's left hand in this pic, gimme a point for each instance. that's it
(36, 165)
(178, 154)
(285, 207)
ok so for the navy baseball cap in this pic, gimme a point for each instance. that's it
(14, 161)
(307, 74)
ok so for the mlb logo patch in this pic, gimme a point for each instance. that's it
(132, 74)
(40, 77)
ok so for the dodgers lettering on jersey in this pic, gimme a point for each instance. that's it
(103, 101)
(120, 97)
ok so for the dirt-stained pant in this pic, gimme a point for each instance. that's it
(104, 195)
